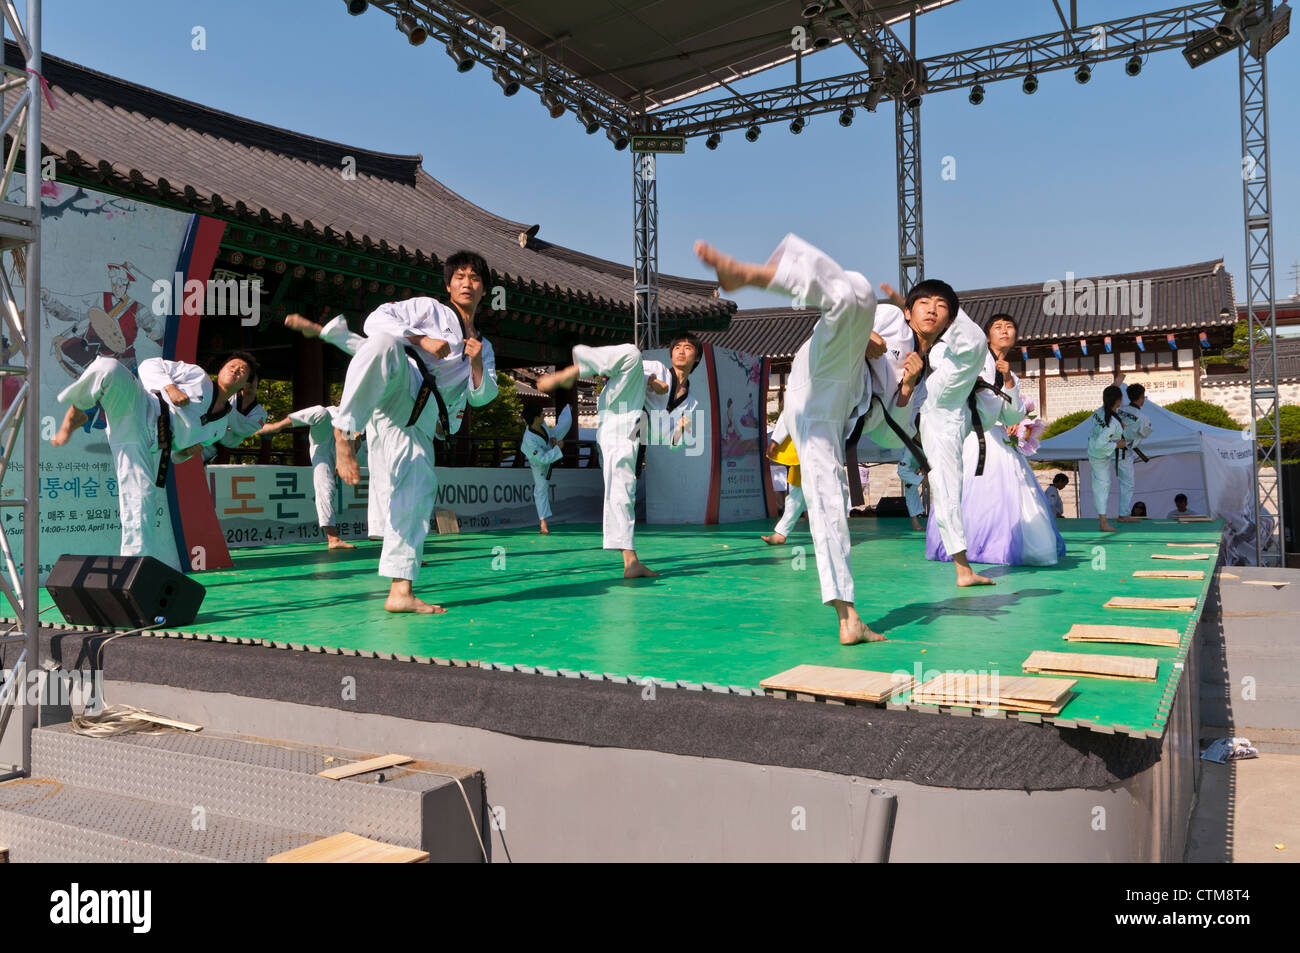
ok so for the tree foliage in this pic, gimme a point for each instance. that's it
(1289, 417)
(1204, 412)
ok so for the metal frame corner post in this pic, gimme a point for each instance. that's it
(645, 250)
(911, 245)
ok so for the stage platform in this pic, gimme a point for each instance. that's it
(728, 611)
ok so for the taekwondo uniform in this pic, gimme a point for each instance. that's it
(408, 395)
(133, 412)
(241, 426)
(1054, 501)
(338, 333)
(319, 422)
(955, 362)
(1137, 427)
(1103, 454)
(621, 411)
(536, 447)
(910, 475)
(829, 380)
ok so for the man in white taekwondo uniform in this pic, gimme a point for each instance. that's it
(826, 384)
(631, 385)
(1137, 427)
(165, 416)
(319, 422)
(947, 366)
(419, 366)
(541, 446)
(245, 419)
(1106, 446)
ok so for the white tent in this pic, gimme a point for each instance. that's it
(1211, 465)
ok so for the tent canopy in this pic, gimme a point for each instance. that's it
(1170, 433)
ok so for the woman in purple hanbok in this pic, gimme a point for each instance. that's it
(1007, 517)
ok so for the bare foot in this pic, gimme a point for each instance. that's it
(776, 539)
(565, 378)
(304, 326)
(345, 460)
(545, 530)
(73, 419)
(637, 569)
(969, 577)
(855, 631)
(916, 524)
(732, 274)
(336, 543)
(1106, 527)
(409, 603)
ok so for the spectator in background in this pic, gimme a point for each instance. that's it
(1053, 494)
(1139, 509)
(1180, 507)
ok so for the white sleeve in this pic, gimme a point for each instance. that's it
(309, 416)
(486, 391)
(810, 275)
(779, 430)
(562, 424)
(156, 374)
(414, 317)
(341, 336)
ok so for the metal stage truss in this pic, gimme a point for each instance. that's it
(557, 68)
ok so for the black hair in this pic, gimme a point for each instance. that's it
(466, 259)
(690, 339)
(254, 368)
(988, 325)
(1135, 391)
(1059, 477)
(933, 288)
(1111, 396)
(1133, 509)
(531, 408)
(1181, 496)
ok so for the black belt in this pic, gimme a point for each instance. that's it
(912, 444)
(856, 435)
(164, 440)
(973, 404)
(428, 385)
(1141, 456)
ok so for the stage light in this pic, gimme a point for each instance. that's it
(711, 143)
(552, 104)
(506, 80)
(415, 34)
(822, 35)
(1228, 6)
(1269, 31)
(812, 9)
(1230, 25)
(1083, 74)
(876, 64)
(797, 124)
(752, 133)
(618, 138)
(588, 119)
(846, 118)
(976, 95)
(1030, 85)
(357, 7)
(1133, 66)
(460, 56)
(874, 92)
(1208, 45)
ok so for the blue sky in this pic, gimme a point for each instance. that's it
(1120, 175)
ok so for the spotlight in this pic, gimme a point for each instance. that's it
(1228, 6)
(1133, 66)
(588, 119)
(1269, 31)
(1083, 74)
(506, 80)
(846, 118)
(1230, 25)
(1030, 85)
(1207, 45)
(552, 104)
(752, 133)
(711, 143)
(976, 94)
(797, 124)
(822, 35)
(415, 34)
(874, 93)
(460, 56)
(357, 7)
(618, 138)
(876, 64)
(812, 9)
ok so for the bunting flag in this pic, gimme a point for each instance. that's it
(1173, 345)
(1141, 347)
(1205, 341)
(1056, 351)
(1106, 341)
(1083, 346)
(1024, 354)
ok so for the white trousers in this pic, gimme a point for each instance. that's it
(1103, 469)
(942, 436)
(542, 495)
(820, 446)
(622, 401)
(910, 476)
(1126, 463)
(378, 389)
(794, 507)
(132, 416)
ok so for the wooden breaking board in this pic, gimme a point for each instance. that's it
(1091, 666)
(1169, 574)
(1017, 693)
(1127, 634)
(1181, 557)
(828, 682)
(348, 848)
(1168, 604)
(1195, 545)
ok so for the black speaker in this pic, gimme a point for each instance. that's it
(891, 506)
(122, 591)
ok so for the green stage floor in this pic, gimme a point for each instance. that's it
(728, 610)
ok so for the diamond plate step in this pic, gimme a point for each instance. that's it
(273, 783)
(44, 821)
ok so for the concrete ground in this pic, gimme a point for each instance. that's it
(1250, 688)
